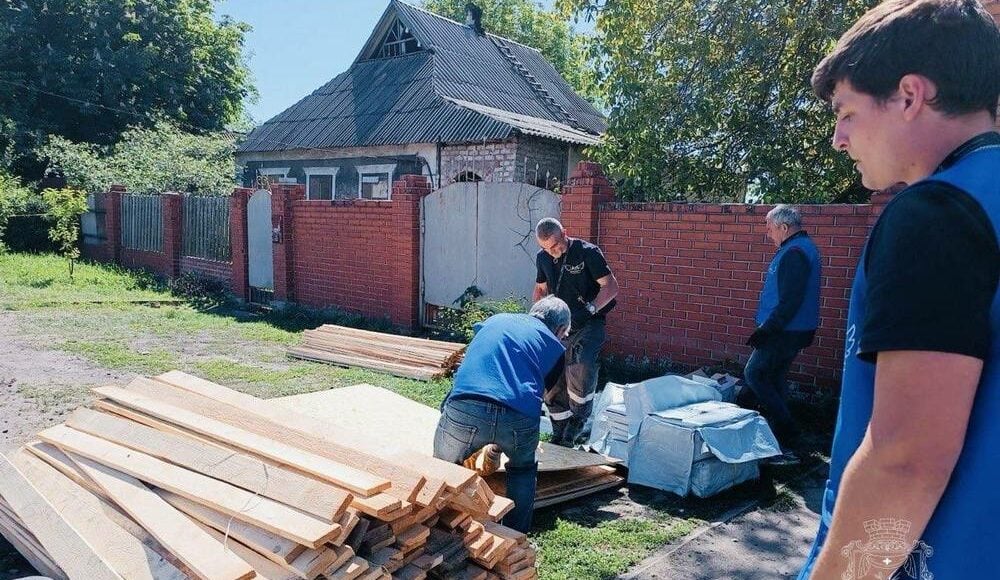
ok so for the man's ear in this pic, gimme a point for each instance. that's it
(915, 92)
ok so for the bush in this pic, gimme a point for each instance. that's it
(457, 323)
(65, 206)
(14, 199)
(203, 292)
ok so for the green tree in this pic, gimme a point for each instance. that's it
(65, 206)
(14, 197)
(710, 100)
(87, 69)
(546, 30)
(149, 160)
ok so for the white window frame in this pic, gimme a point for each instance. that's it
(332, 171)
(389, 169)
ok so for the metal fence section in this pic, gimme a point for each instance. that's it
(206, 227)
(142, 222)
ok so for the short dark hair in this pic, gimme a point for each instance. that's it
(954, 43)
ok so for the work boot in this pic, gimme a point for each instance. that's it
(572, 433)
(559, 431)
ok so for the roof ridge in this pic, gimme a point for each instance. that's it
(550, 103)
(457, 23)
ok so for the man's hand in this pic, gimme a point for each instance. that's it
(759, 337)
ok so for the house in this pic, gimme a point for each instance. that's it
(427, 95)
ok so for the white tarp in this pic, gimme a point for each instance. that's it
(702, 448)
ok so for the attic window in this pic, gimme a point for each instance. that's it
(397, 41)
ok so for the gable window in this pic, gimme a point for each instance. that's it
(397, 41)
(321, 182)
(375, 181)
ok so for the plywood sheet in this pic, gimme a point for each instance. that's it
(395, 421)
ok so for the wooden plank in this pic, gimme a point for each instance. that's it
(86, 513)
(255, 434)
(309, 495)
(203, 556)
(278, 549)
(61, 462)
(239, 503)
(344, 555)
(322, 437)
(376, 506)
(349, 571)
(61, 541)
(264, 568)
(21, 539)
(399, 370)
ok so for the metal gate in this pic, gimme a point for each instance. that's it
(260, 254)
(481, 234)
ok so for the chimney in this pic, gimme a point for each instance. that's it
(474, 18)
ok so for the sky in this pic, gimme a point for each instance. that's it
(297, 45)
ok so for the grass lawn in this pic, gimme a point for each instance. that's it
(129, 323)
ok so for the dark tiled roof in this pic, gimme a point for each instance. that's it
(456, 90)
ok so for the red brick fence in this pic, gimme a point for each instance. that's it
(690, 274)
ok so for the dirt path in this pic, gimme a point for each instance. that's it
(39, 386)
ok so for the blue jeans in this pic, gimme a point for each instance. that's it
(466, 425)
(765, 374)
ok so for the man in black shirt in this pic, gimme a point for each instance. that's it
(576, 272)
(787, 317)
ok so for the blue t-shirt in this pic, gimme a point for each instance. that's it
(928, 281)
(507, 361)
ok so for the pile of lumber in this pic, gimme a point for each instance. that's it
(177, 477)
(403, 356)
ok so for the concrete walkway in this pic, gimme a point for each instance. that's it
(763, 543)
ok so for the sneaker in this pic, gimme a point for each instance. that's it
(785, 459)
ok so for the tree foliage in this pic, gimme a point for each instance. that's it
(710, 99)
(88, 69)
(14, 198)
(65, 206)
(148, 160)
(546, 30)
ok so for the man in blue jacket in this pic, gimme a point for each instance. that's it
(787, 317)
(497, 396)
(912, 492)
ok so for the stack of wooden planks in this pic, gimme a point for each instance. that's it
(404, 356)
(177, 477)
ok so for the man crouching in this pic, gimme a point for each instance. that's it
(497, 396)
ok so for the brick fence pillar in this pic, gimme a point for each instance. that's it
(113, 222)
(173, 234)
(407, 192)
(240, 281)
(586, 189)
(282, 198)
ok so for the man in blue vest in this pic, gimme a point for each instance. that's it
(787, 317)
(915, 466)
(497, 396)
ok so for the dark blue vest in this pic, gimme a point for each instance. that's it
(807, 316)
(964, 530)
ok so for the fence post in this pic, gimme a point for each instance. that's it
(404, 233)
(240, 281)
(113, 223)
(282, 200)
(586, 189)
(173, 235)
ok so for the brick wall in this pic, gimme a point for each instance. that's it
(216, 270)
(359, 256)
(540, 161)
(490, 161)
(690, 274)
